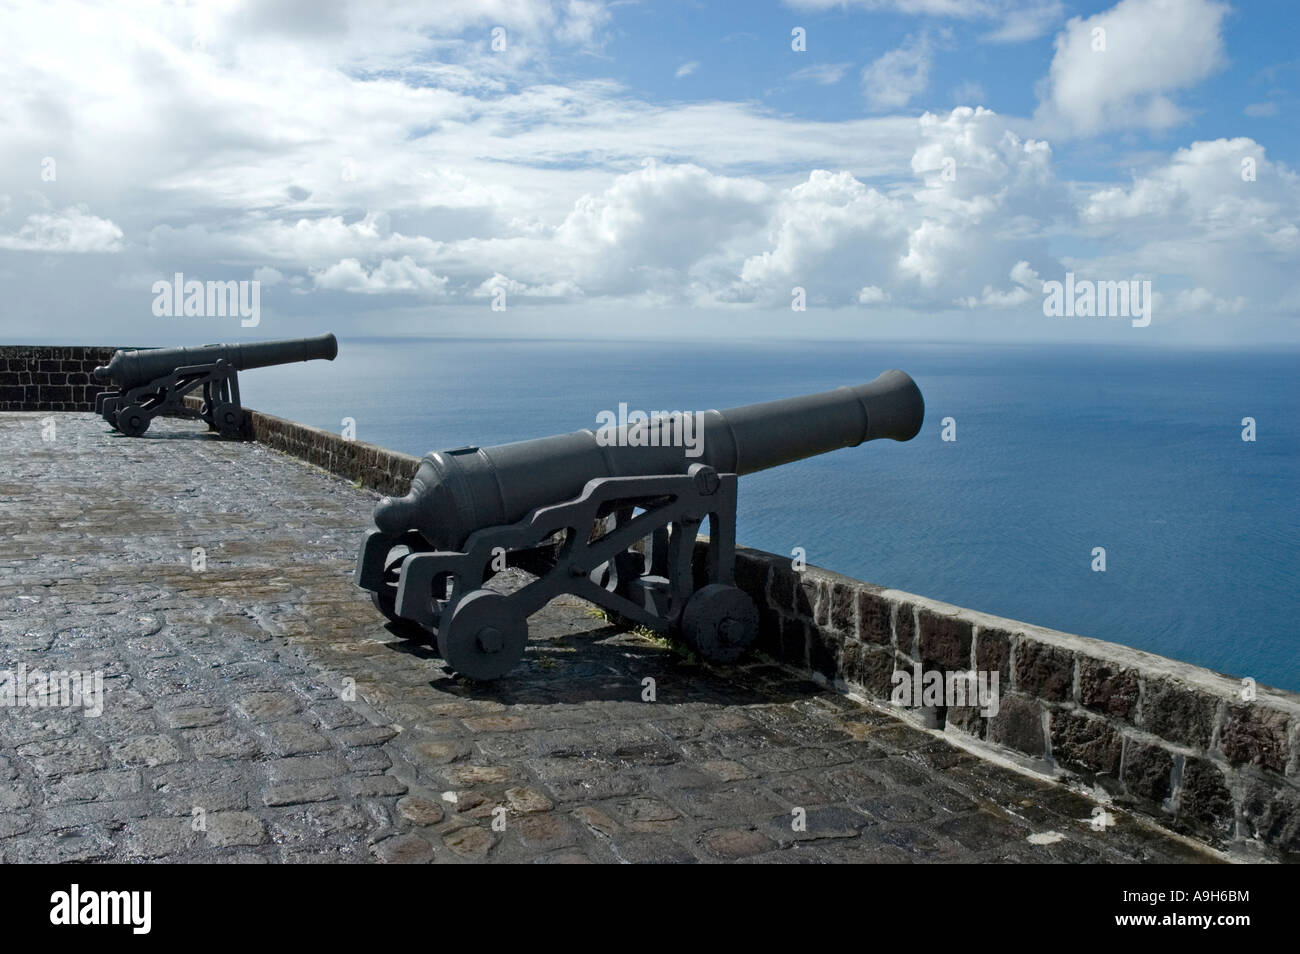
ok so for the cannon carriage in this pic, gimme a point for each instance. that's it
(147, 383)
(611, 518)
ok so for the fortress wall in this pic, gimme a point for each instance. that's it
(374, 467)
(1179, 743)
(50, 377)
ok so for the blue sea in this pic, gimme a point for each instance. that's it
(1059, 449)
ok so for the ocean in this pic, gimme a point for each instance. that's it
(1058, 450)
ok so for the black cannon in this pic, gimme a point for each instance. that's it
(611, 516)
(155, 381)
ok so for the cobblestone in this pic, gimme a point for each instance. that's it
(258, 691)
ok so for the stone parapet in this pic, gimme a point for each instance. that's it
(1203, 753)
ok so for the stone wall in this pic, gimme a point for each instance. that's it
(1170, 740)
(375, 467)
(49, 377)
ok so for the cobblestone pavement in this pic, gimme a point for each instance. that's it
(227, 734)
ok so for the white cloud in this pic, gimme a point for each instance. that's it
(565, 290)
(924, 246)
(1027, 286)
(1027, 22)
(582, 22)
(1152, 48)
(389, 277)
(897, 77)
(686, 69)
(828, 233)
(1026, 277)
(1205, 187)
(872, 295)
(823, 74)
(655, 227)
(991, 167)
(73, 230)
(1261, 110)
(1196, 220)
(315, 241)
(1201, 300)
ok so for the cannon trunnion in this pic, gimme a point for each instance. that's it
(150, 382)
(611, 517)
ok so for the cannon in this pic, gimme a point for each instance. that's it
(154, 381)
(611, 516)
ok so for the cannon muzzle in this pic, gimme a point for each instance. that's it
(129, 369)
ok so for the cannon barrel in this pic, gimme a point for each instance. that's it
(459, 491)
(129, 369)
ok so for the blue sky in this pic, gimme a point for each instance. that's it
(748, 56)
(919, 170)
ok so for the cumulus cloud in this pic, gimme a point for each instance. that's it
(986, 198)
(657, 226)
(1200, 300)
(1219, 216)
(1026, 287)
(388, 277)
(1121, 68)
(73, 230)
(826, 233)
(942, 239)
(498, 283)
(1227, 187)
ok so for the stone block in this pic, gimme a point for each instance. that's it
(874, 618)
(1148, 771)
(945, 640)
(1044, 671)
(1254, 735)
(1177, 713)
(1018, 725)
(1107, 688)
(1086, 744)
(1204, 800)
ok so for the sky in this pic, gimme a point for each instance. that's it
(575, 168)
